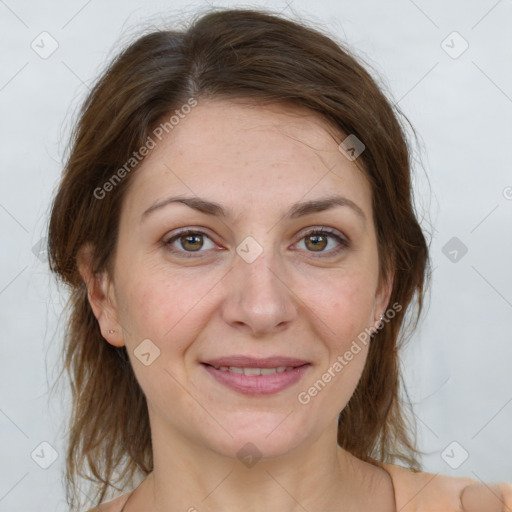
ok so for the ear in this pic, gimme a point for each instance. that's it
(381, 301)
(100, 292)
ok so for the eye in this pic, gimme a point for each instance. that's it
(192, 241)
(318, 240)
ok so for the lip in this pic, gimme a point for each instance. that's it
(257, 385)
(252, 362)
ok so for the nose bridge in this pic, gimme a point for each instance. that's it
(257, 278)
(259, 275)
(257, 294)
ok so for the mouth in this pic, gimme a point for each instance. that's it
(251, 376)
(254, 371)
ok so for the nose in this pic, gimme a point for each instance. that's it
(258, 299)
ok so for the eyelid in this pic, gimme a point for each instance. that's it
(342, 239)
(176, 235)
(324, 229)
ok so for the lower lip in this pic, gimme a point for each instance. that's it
(257, 384)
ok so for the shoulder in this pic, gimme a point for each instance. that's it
(114, 505)
(432, 492)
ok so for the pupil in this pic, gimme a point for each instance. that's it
(316, 239)
(192, 237)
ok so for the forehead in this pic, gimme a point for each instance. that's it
(243, 154)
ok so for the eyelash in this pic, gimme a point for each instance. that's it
(344, 243)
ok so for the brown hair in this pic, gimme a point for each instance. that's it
(225, 54)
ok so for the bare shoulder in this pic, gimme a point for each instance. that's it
(114, 505)
(422, 492)
(418, 491)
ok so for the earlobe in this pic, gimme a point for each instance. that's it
(382, 299)
(100, 296)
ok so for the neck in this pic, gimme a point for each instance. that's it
(189, 478)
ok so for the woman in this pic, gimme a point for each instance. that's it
(235, 222)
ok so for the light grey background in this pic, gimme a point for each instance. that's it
(457, 365)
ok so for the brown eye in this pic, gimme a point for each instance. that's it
(188, 242)
(191, 242)
(318, 240)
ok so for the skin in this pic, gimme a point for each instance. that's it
(256, 161)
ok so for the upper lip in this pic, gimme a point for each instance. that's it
(254, 362)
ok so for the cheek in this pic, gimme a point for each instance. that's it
(344, 315)
(347, 307)
(163, 307)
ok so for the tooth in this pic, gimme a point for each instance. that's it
(252, 371)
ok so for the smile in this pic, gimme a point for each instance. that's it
(254, 371)
(256, 381)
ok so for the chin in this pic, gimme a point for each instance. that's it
(266, 435)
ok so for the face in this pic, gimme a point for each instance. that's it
(266, 280)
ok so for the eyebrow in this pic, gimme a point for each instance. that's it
(297, 210)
